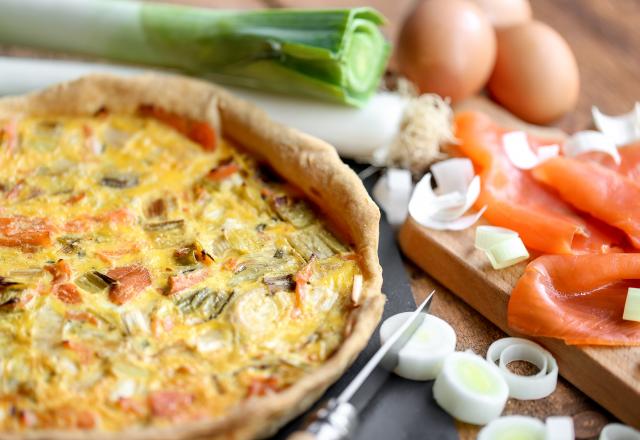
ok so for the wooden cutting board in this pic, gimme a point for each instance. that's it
(610, 376)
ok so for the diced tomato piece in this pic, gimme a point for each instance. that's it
(85, 354)
(22, 231)
(81, 316)
(75, 198)
(131, 280)
(261, 386)
(10, 132)
(169, 403)
(203, 134)
(85, 419)
(67, 293)
(198, 131)
(222, 172)
(302, 279)
(60, 270)
(186, 279)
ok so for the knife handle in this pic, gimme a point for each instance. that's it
(333, 421)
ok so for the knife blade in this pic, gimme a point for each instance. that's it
(337, 420)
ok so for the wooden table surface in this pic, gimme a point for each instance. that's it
(605, 37)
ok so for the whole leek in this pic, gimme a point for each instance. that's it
(337, 54)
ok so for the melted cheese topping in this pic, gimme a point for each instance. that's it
(146, 281)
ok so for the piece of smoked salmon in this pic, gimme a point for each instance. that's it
(515, 200)
(593, 188)
(22, 231)
(629, 160)
(130, 280)
(577, 298)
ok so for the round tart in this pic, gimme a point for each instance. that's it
(173, 264)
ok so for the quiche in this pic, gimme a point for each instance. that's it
(173, 264)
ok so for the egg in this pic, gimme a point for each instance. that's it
(504, 13)
(447, 47)
(536, 75)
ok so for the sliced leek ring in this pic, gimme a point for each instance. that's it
(533, 387)
(513, 428)
(618, 431)
(470, 389)
(423, 355)
(559, 428)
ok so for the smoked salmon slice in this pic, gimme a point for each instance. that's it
(515, 200)
(22, 231)
(629, 160)
(593, 188)
(577, 298)
(130, 280)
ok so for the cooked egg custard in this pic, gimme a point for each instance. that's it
(149, 277)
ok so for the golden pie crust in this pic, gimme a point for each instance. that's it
(310, 164)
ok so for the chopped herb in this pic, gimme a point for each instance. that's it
(95, 282)
(157, 208)
(279, 253)
(308, 242)
(204, 301)
(120, 181)
(10, 293)
(279, 283)
(70, 243)
(296, 212)
(169, 225)
(192, 255)
(261, 227)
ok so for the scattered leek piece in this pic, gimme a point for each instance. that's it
(590, 140)
(334, 54)
(621, 129)
(392, 192)
(502, 246)
(469, 389)
(559, 428)
(424, 354)
(540, 385)
(443, 208)
(618, 431)
(632, 305)
(513, 428)
(519, 152)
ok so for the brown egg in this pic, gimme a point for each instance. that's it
(447, 47)
(503, 13)
(536, 75)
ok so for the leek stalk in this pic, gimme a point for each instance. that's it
(334, 54)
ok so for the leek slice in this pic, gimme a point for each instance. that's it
(502, 246)
(621, 129)
(423, 355)
(618, 431)
(517, 148)
(470, 389)
(559, 428)
(334, 54)
(513, 428)
(392, 192)
(457, 191)
(590, 140)
(632, 305)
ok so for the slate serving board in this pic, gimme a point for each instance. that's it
(403, 409)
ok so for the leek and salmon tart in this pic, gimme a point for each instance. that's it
(173, 264)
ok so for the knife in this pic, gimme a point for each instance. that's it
(338, 419)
